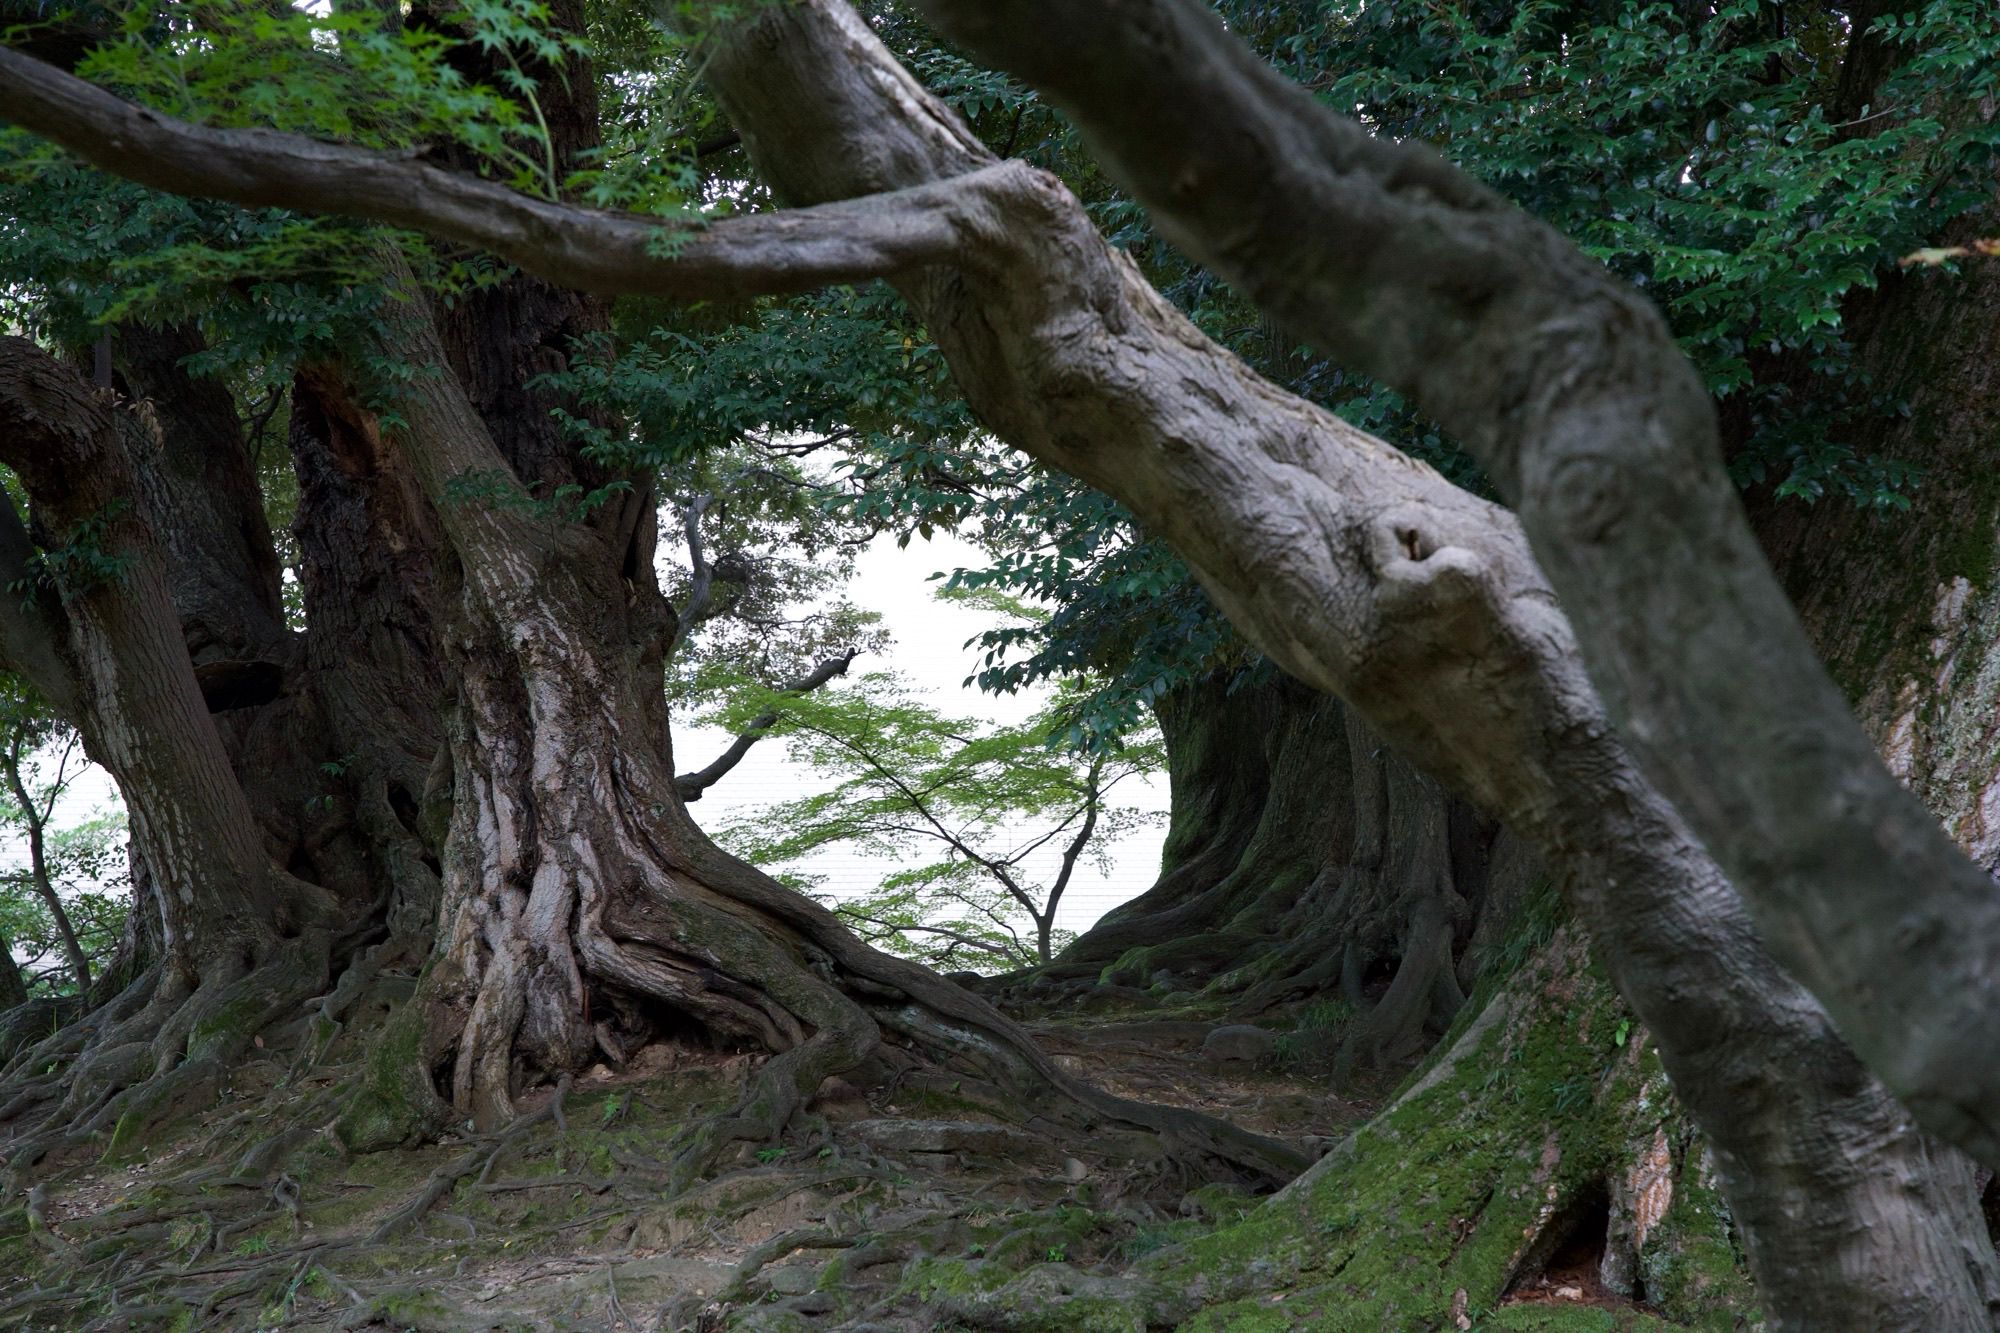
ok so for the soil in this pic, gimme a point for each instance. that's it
(566, 1220)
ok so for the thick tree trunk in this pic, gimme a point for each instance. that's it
(1234, 756)
(584, 914)
(241, 942)
(1570, 390)
(1905, 606)
(1304, 857)
(1367, 574)
(1364, 574)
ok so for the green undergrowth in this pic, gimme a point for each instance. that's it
(1481, 1168)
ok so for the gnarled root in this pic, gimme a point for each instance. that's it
(158, 1048)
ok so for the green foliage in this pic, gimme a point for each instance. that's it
(1707, 156)
(354, 73)
(83, 862)
(87, 560)
(1702, 153)
(986, 823)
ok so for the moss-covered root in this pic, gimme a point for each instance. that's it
(396, 1104)
(1539, 1159)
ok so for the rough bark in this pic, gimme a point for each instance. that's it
(1305, 858)
(1569, 389)
(581, 906)
(143, 715)
(241, 942)
(209, 511)
(1367, 575)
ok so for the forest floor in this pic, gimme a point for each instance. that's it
(569, 1222)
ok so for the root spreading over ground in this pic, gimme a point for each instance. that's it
(909, 1206)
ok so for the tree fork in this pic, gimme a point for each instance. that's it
(1368, 575)
(1569, 388)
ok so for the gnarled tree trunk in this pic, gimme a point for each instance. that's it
(241, 941)
(1367, 574)
(584, 913)
(1305, 858)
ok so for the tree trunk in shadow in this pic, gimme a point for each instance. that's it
(1305, 859)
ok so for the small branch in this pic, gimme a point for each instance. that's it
(717, 143)
(692, 785)
(1000, 951)
(937, 827)
(701, 588)
(1097, 787)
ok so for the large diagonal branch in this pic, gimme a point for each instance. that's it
(1569, 388)
(1370, 576)
(590, 249)
(692, 785)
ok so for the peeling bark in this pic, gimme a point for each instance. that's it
(1361, 572)
(581, 904)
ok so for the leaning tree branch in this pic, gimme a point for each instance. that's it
(701, 572)
(692, 785)
(1569, 388)
(1369, 575)
(591, 249)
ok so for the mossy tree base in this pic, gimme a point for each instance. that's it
(1539, 1160)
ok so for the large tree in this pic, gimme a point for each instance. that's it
(577, 899)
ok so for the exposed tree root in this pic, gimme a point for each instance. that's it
(481, 1159)
(142, 1058)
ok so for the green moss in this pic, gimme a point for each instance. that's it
(1051, 1298)
(1691, 1271)
(388, 1110)
(1438, 1194)
(229, 1028)
(1890, 597)
(1568, 1319)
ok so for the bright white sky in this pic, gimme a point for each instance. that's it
(929, 650)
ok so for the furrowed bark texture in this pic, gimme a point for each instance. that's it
(582, 912)
(143, 715)
(241, 942)
(1305, 858)
(1569, 389)
(201, 495)
(582, 909)
(1366, 574)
